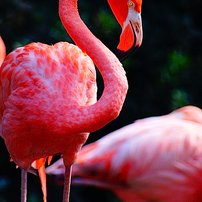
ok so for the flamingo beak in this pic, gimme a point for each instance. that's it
(131, 36)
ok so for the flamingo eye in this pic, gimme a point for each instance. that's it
(130, 4)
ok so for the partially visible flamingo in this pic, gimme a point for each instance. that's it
(48, 93)
(153, 159)
(2, 51)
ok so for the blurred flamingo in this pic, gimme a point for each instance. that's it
(48, 93)
(153, 159)
(2, 51)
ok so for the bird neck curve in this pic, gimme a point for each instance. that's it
(109, 105)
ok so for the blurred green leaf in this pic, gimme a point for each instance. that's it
(177, 64)
(108, 22)
(179, 99)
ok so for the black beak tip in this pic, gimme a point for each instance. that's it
(122, 55)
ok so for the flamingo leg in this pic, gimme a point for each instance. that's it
(23, 185)
(67, 180)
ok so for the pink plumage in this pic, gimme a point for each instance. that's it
(39, 83)
(48, 94)
(35, 96)
(153, 159)
(2, 51)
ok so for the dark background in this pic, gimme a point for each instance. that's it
(164, 74)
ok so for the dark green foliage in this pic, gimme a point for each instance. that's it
(164, 74)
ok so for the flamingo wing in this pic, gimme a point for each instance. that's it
(161, 161)
(29, 87)
(153, 159)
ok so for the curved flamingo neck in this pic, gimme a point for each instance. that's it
(107, 108)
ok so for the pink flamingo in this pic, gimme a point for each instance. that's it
(153, 159)
(48, 93)
(2, 51)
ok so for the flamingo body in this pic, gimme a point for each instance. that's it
(37, 96)
(153, 159)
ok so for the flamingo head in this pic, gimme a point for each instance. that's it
(128, 14)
